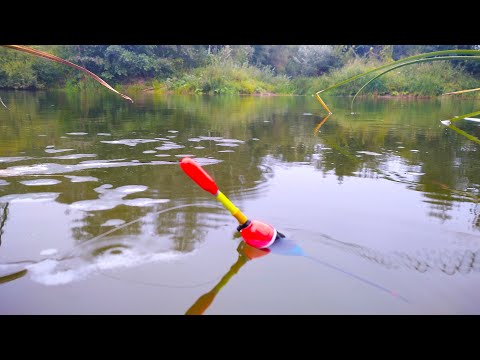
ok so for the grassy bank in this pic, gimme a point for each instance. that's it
(219, 74)
(224, 78)
(430, 79)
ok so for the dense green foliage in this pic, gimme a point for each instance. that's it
(239, 69)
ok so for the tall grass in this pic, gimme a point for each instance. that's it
(429, 82)
(426, 79)
(228, 77)
(429, 79)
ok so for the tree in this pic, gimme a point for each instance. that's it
(314, 60)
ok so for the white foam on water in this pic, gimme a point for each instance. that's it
(77, 179)
(44, 272)
(52, 272)
(3, 182)
(130, 189)
(104, 134)
(414, 150)
(173, 131)
(231, 141)
(53, 151)
(95, 205)
(95, 162)
(129, 142)
(199, 147)
(149, 152)
(102, 188)
(40, 182)
(32, 197)
(185, 155)
(226, 151)
(472, 119)
(77, 133)
(162, 155)
(73, 156)
(113, 222)
(214, 138)
(228, 144)
(144, 202)
(446, 122)
(48, 252)
(369, 153)
(207, 161)
(13, 158)
(53, 168)
(49, 146)
(169, 146)
(110, 198)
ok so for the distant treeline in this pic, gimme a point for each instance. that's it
(238, 69)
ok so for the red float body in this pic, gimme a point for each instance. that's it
(258, 234)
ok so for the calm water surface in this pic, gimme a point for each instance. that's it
(379, 208)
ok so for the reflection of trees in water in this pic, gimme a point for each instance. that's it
(3, 218)
(284, 134)
(439, 167)
(190, 226)
(443, 166)
(238, 176)
(185, 226)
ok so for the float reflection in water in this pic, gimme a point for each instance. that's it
(281, 247)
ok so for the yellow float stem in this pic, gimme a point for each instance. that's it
(241, 218)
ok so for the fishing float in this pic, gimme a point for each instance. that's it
(254, 232)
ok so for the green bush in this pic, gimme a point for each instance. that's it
(226, 77)
(427, 79)
(225, 69)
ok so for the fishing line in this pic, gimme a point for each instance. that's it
(380, 287)
(139, 219)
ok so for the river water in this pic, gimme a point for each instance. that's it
(379, 207)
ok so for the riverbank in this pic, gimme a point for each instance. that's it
(423, 80)
(227, 76)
